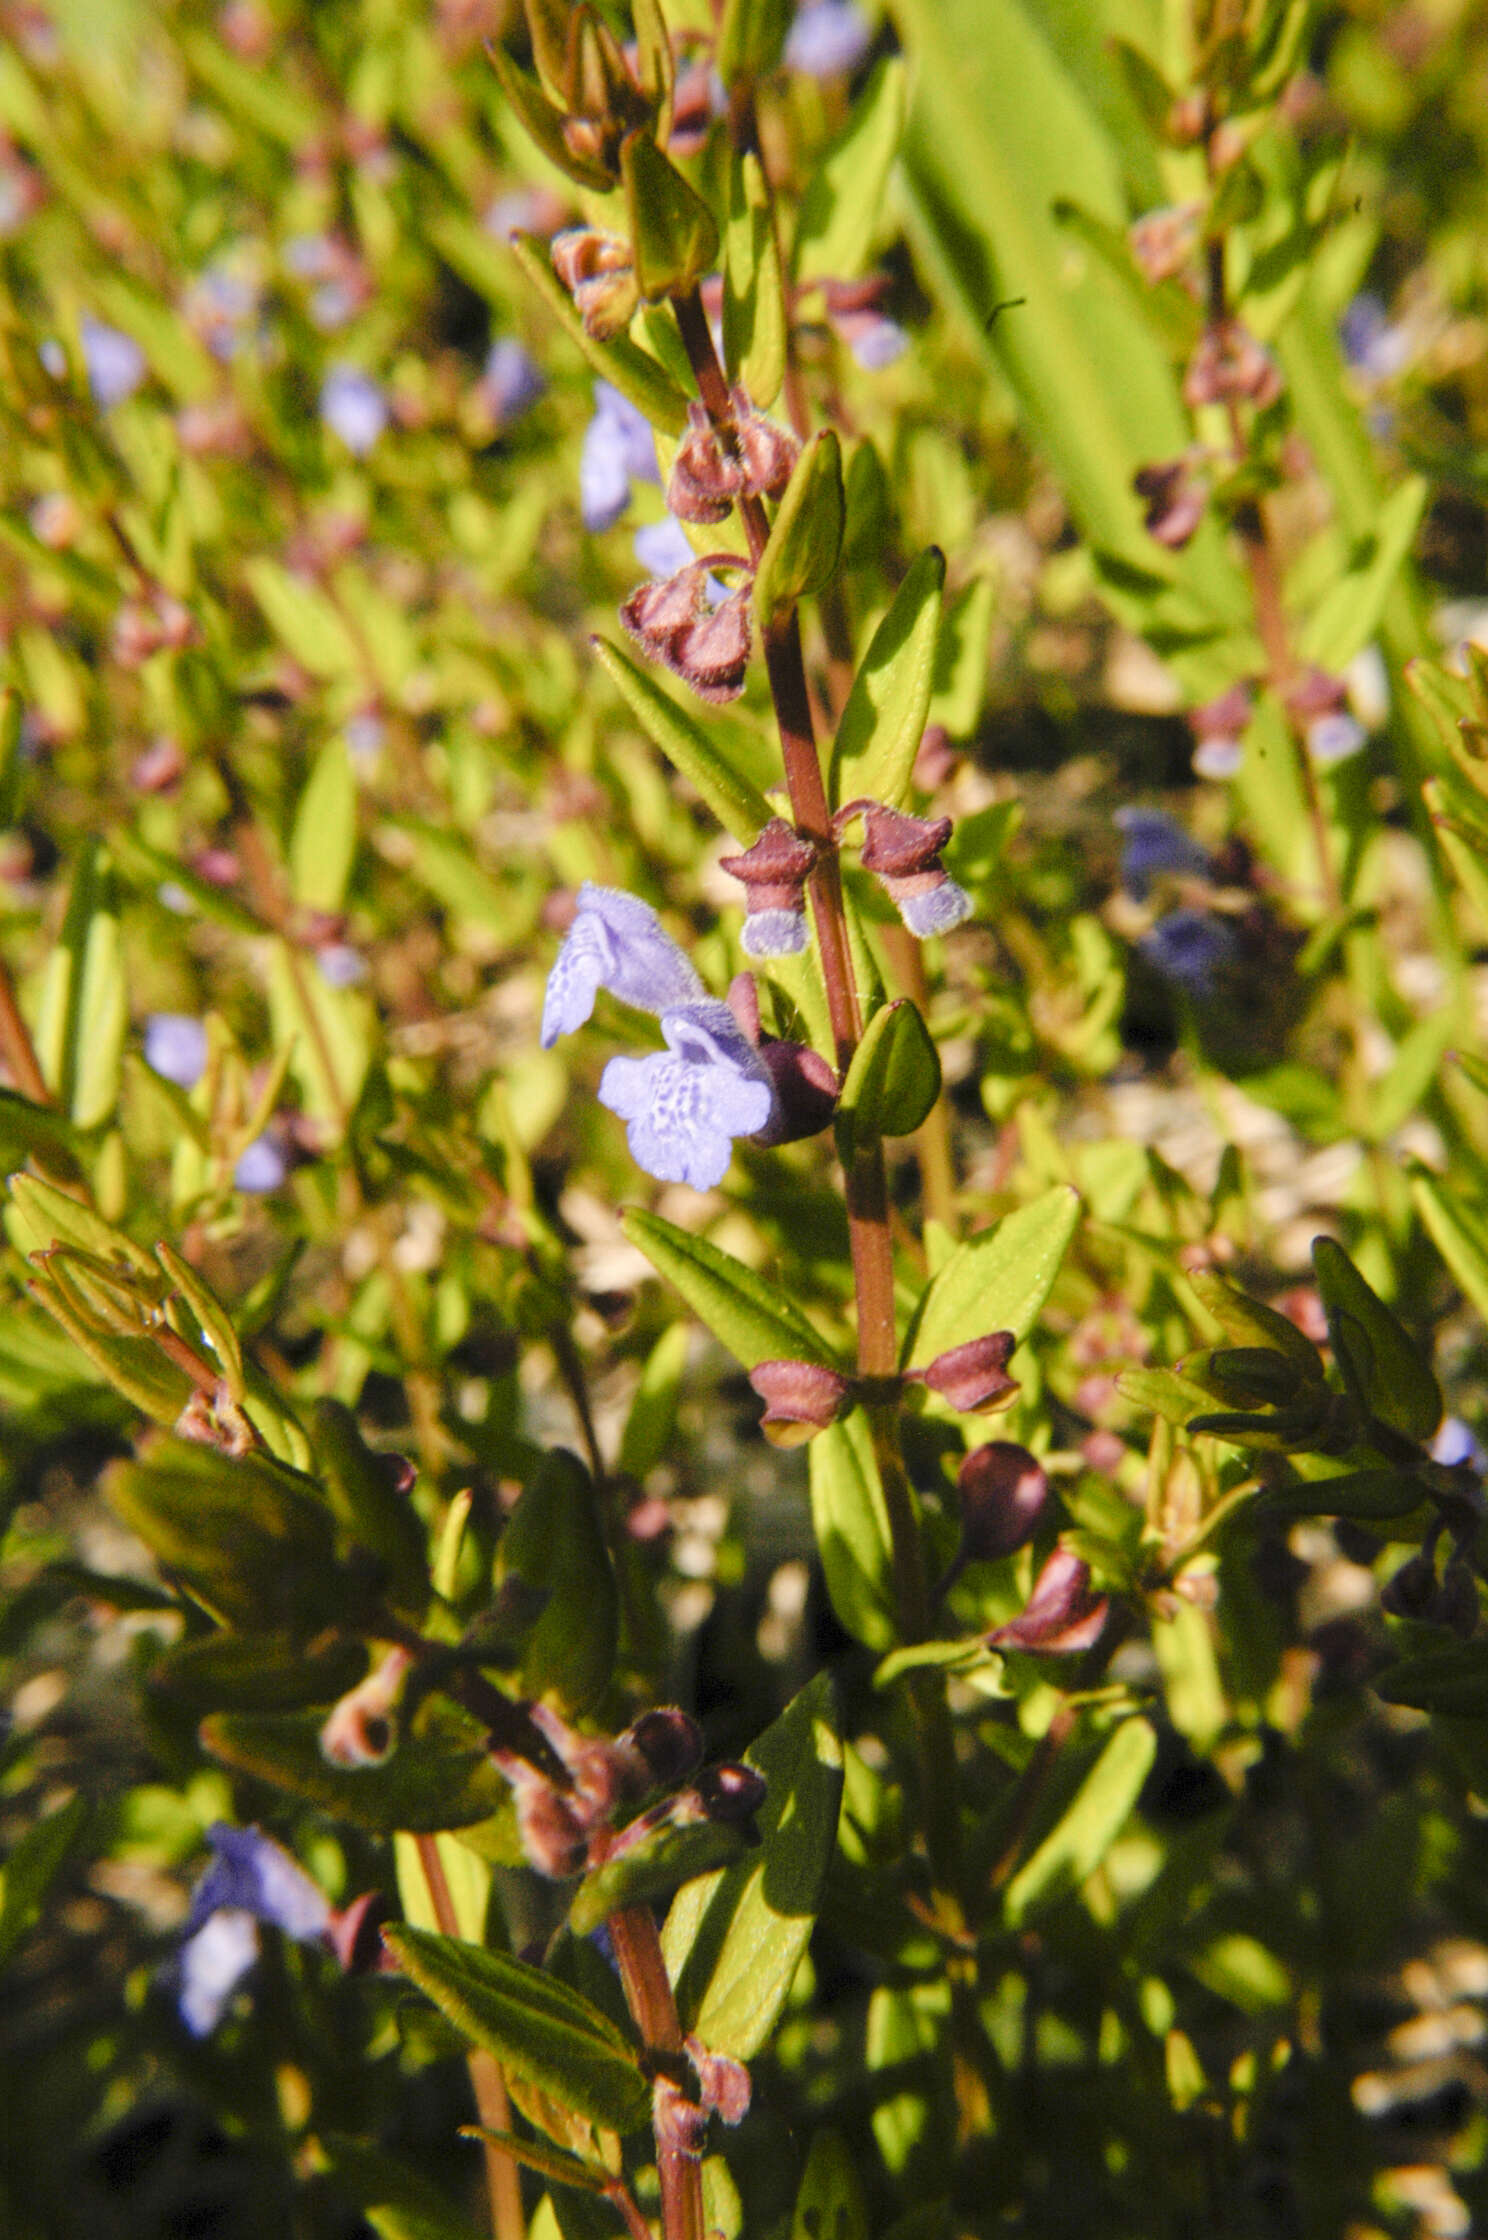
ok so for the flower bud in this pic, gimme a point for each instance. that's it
(1219, 729)
(973, 1377)
(360, 1730)
(1163, 241)
(1004, 1494)
(903, 853)
(712, 653)
(1175, 498)
(805, 1093)
(774, 874)
(679, 2124)
(801, 1398)
(723, 2083)
(1412, 1591)
(729, 1792)
(1060, 1616)
(1229, 366)
(670, 1743)
(352, 1933)
(597, 270)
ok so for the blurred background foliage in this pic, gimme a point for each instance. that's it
(296, 595)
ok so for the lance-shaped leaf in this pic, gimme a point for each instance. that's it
(1367, 1495)
(671, 227)
(841, 207)
(654, 1867)
(322, 846)
(549, 2161)
(632, 371)
(878, 738)
(1246, 1322)
(734, 1940)
(554, 1545)
(754, 308)
(32, 1867)
(41, 1216)
(264, 1672)
(545, 2033)
(1452, 1682)
(1078, 1842)
(830, 2203)
(751, 35)
(851, 1525)
(1459, 1230)
(894, 1078)
(543, 123)
(369, 1506)
(806, 534)
(85, 1001)
(133, 1367)
(216, 1323)
(1348, 614)
(1399, 1386)
(250, 1538)
(749, 1314)
(997, 1280)
(735, 800)
(428, 1784)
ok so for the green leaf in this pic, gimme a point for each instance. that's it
(368, 1506)
(894, 1078)
(830, 2203)
(216, 1323)
(42, 1216)
(851, 1525)
(554, 1544)
(322, 846)
(1247, 1322)
(751, 34)
(1452, 1681)
(250, 1538)
(33, 1866)
(754, 309)
(543, 123)
(843, 202)
(806, 534)
(997, 1280)
(1364, 1494)
(1347, 616)
(959, 685)
(671, 228)
(733, 1942)
(133, 1367)
(327, 1032)
(1163, 1392)
(748, 1313)
(85, 1000)
(12, 757)
(878, 738)
(653, 1868)
(427, 1784)
(1400, 1387)
(629, 369)
(1459, 1230)
(653, 1411)
(1075, 1847)
(257, 1672)
(537, 2027)
(934, 1656)
(304, 620)
(735, 800)
(539, 2154)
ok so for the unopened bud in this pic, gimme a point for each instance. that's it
(801, 1398)
(1219, 729)
(669, 1742)
(361, 1728)
(973, 1377)
(597, 271)
(805, 1092)
(723, 2083)
(1004, 1495)
(1229, 366)
(352, 1933)
(1174, 496)
(774, 874)
(1163, 241)
(1060, 1616)
(712, 653)
(1254, 1376)
(1456, 1605)
(729, 1792)
(1412, 1592)
(679, 2124)
(903, 853)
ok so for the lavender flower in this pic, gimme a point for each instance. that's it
(176, 1047)
(251, 1879)
(1333, 738)
(828, 39)
(1372, 343)
(1153, 843)
(877, 342)
(662, 547)
(353, 407)
(115, 363)
(1455, 1444)
(617, 942)
(685, 1107)
(618, 450)
(341, 966)
(512, 381)
(262, 1167)
(1189, 947)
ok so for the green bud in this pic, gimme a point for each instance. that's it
(806, 536)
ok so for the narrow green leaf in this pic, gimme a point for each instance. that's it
(754, 308)
(322, 846)
(830, 2203)
(262, 1672)
(542, 2031)
(554, 1543)
(806, 534)
(629, 369)
(1459, 1230)
(959, 684)
(543, 124)
(934, 1656)
(1075, 1847)
(751, 34)
(733, 1941)
(85, 1002)
(549, 2161)
(748, 1313)
(368, 1506)
(1400, 1387)
(843, 202)
(304, 620)
(251, 1539)
(1347, 616)
(1364, 1494)
(879, 736)
(41, 1216)
(735, 800)
(32, 1867)
(653, 1411)
(851, 1527)
(133, 1367)
(997, 1280)
(216, 1323)
(653, 1868)
(1247, 1322)
(426, 1785)
(1451, 1681)
(894, 1078)
(671, 228)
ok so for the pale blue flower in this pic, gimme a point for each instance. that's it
(828, 39)
(512, 381)
(176, 1047)
(251, 1879)
(1455, 1444)
(617, 451)
(1153, 843)
(1189, 947)
(261, 1167)
(341, 966)
(617, 942)
(1333, 738)
(662, 547)
(935, 910)
(684, 1106)
(115, 363)
(353, 407)
(877, 343)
